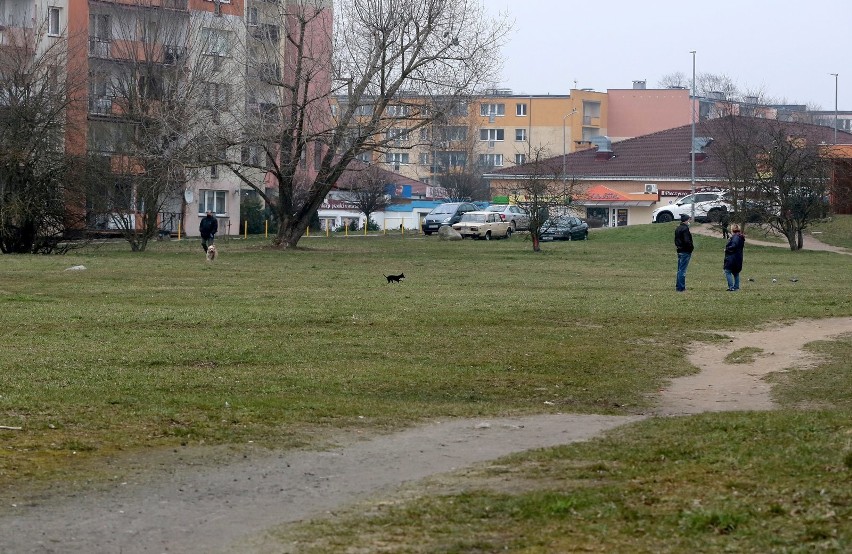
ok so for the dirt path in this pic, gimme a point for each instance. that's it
(203, 509)
(809, 242)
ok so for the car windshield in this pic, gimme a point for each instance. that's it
(445, 209)
(495, 208)
(477, 218)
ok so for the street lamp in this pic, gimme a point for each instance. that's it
(835, 106)
(692, 146)
(564, 143)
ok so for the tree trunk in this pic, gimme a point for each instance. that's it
(289, 234)
(536, 243)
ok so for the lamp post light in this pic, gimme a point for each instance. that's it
(692, 146)
(835, 105)
(564, 143)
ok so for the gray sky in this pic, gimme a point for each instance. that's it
(786, 48)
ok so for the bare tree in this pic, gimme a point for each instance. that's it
(147, 96)
(464, 186)
(35, 95)
(366, 189)
(705, 84)
(388, 55)
(543, 191)
(779, 175)
(677, 79)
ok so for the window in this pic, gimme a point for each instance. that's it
(396, 158)
(491, 160)
(253, 155)
(366, 110)
(492, 109)
(520, 110)
(452, 133)
(458, 110)
(396, 135)
(53, 21)
(521, 135)
(252, 16)
(99, 26)
(450, 159)
(491, 134)
(149, 31)
(424, 158)
(319, 150)
(212, 201)
(216, 96)
(100, 100)
(100, 31)
(424, 134)
(150, 88)
(215, 42)
(366, 157)
(520, 159)
(398, 111)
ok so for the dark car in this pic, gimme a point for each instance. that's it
(446, 214)
(565, 227)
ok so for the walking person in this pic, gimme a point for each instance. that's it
(726, 222)
(684, 246)
(734, 258)
(208, 227)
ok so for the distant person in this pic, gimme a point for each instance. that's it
(726, 222)
(684, 246)
(208, 227)
(734, 258)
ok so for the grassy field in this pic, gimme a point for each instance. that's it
(836, 231)
(157, 349)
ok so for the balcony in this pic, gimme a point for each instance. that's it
(267, 72)
(173, 54)
(99, 47)
(100, 105)
(265, 31)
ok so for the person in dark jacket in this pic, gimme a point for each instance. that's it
(734, 258)
(208, 227)
(684, 246)
(725, 221)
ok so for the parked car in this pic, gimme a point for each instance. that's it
(483, 225)
(709, 206)
(517, 217)
(564, 227)
(445, 214)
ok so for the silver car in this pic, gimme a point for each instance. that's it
(517, 217)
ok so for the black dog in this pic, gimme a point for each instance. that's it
(395, 278)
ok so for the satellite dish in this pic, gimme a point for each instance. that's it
(188, 196)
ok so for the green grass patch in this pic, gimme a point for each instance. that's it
(160, 348)
(836, 231)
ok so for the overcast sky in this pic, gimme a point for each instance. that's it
(786, 48)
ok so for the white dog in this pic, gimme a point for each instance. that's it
(211, 252)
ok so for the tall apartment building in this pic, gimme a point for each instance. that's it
(130, 52)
